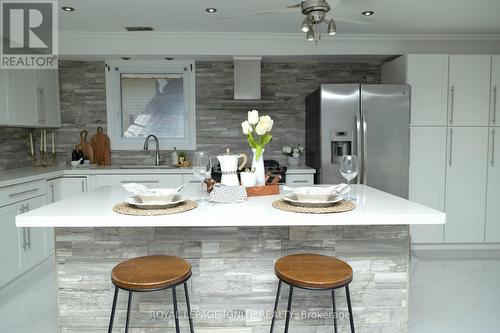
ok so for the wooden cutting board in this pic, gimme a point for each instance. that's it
(100, 145)
(85, 147)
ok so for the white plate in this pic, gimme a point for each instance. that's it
(293, 199)
(135, 201)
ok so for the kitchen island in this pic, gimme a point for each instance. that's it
(232, 249)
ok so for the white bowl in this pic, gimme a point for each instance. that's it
(75, 164)
(159, 196)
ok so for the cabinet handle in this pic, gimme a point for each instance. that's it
(450, 160)
(13, 195)
(300, 181)
(493, 147)
(194, 181)
(28, 231)
(41, 105)
(452, 104)
(494, 117)
(25, 243)
(83, 186)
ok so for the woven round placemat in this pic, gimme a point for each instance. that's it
(342, 206)
(126, 209)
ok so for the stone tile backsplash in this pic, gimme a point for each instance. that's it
(218, 117)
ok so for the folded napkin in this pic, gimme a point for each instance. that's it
(339, 189)
(228, 194)
(138, 189)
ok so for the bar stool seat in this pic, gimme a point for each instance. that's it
(150, 273)
(313, 271)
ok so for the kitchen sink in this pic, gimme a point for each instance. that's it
(147, 167)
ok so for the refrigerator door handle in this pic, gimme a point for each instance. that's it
(358, 147)
(365, 150)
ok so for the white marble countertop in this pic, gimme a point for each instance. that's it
(23, 175)
(94, 209)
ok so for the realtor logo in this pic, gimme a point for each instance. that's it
(29, 34)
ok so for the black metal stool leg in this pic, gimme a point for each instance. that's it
(289, 309)
(113, 308)
(176, 311)
(276, 306)
(128, 311)
(334, 312)
(351, 319)
(188, 307)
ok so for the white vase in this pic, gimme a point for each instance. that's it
(260, 174)
(293, 161)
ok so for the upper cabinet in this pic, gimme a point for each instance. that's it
(495, 86)
(427, 74)
(32, 98)
(469, 90)
(4, 96)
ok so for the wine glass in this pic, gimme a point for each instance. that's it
(202, 169)
(349, 166)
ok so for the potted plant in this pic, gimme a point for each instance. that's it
(262, 127)
(293, 154)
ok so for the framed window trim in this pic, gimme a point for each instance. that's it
(114, 69)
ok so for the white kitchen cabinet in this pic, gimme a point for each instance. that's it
(4, 97)
(495, 86)
(427, 178)
(150, 180)
(47, 98)
(34, 98)
(469, 90)
(21, 248)
(10, 256)
(427, 74)
(192, 185)
(62, 188)
(492, 233)
(23, 98)
(466, 184)
(297, 180)
(33, 247)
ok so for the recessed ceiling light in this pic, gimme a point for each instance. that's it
(211, 10)
(368, 13)
(169, 58)
(125, 58)
(68, 9)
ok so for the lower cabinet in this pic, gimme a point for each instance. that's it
(150, 180)
(427, 178)
(493, 201)
(466, 178)
(21, 248)
(299, 179)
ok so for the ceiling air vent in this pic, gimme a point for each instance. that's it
(139, 28)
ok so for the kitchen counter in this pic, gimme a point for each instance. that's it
(374, 207)
(21, 175)
(232, 249)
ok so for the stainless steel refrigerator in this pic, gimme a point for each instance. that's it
(367, 120)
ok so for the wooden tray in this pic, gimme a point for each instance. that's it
(257, 191)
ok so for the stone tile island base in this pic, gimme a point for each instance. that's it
(233, 286)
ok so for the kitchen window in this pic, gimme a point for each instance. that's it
(145, 97)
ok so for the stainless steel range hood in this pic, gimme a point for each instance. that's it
(247, 78)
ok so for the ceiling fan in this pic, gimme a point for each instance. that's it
(315, 12)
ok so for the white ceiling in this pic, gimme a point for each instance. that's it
(391, 17)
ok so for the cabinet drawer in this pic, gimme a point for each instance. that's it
(150, 180)
(16, 193)
(299, 180)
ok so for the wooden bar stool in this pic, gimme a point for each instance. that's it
(151, 273)
(313, 272)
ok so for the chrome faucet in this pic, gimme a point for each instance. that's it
(146, 146)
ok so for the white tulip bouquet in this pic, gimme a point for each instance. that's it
(262, 126)
(293, 151)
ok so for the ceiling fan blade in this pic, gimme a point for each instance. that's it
(264, 12)
(295, 6)
(342, 13)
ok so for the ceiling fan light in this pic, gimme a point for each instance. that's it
(311, 36)
(305, 26)
(332, 27)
